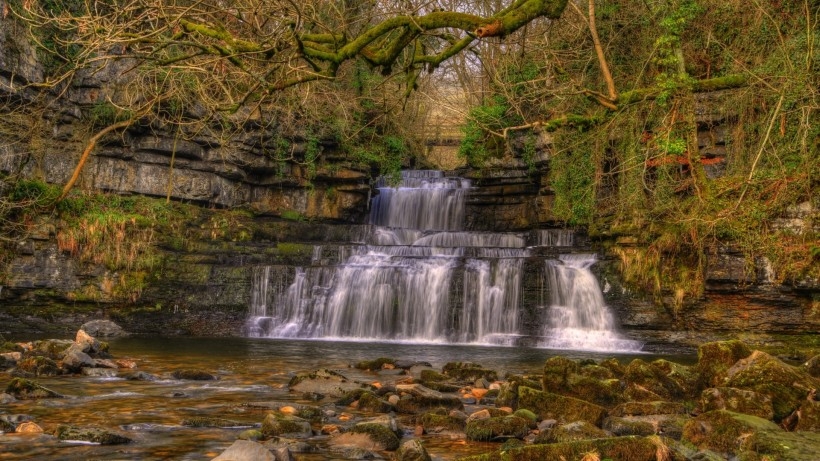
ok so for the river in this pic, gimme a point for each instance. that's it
(250, 370)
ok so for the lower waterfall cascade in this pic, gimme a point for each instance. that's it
(415, 275)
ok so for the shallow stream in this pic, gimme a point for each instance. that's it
(250, 370)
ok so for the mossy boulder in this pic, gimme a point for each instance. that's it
(418, 398)
(378, 433)
(468, 372)
(528, 415)
(629, 425)
(371, 402)
(578, 430)
(715, 359)
(25, 389)
(497, 428)
(377, 364)
(726, 431)
(412, 450)
(51, 348)
(325, 382)
(614, 448)
(428, 376)
(38, 366)
(812, 366)
(441, 421)
(557, 373)
(684, 376)
(737, 400)
(648, 408)
(276, 424)
(193, 375)
(90, 434)
(613, 365)
(559, 407)
(787, 386)
(508, 391)
(808, 416)
(596, 371)
(652, 378)
(604, 392)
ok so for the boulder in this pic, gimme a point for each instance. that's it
(38, 366)
(380, 435)
(578, 430)
(193, 375)
(25, 389)
(210, 421)
(417, 398)
(715, 359)
(648, 408)
(808, 416)
(725, 431)
(245, 450)
(275, 425)
(88, 343)
(90, 434)
(377, 364)
(29, 427)
(103, 329)
(652, 378)
(738, 401)
(468, 372)
(557, 373)
(629, 425)
(412, 450)
(75, 359)
(561, 408)
(812, 366)
(497, 428)
(325, 382)
(787, 386)
(441, 421)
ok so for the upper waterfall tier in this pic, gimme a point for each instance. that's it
(423, 200)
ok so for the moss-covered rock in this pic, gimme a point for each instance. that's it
(90, 434)
(38, 366)
(737, 400)
(276, 424)
(441, 421)
(561, 408)
(528, 415)
(648, 408)
(371, 402)
(412, 450)
(428, 376)
(685, 377)
(468, 372)
(613, 365)
(808, 416)
(715, 359)
(629, 425)
(604, 392)
(725, 431)
(377, 433)
(652, 378)
(324, 382)
(193, 375)
(25, 389)
(596, 371)
(812, 366)
(786, 385)
(578, 430)
(495, 428)
(418, 398)
(377, 364)
(614, 448)
(508, 391)
(557, 373)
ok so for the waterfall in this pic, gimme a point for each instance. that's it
(578, 315)
(414, 274)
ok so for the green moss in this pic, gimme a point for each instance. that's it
(557, 372)
(715, 358)
(579, 430)
(561, 408)
(378, 434)
(25, 389)
(434, 422)
(90, 434)
(725, 431)
(432, 376)
(370, 402)
(499, 427)
(373, 365)
(465, 371)
(278, 425)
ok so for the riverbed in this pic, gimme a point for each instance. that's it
(152, 413)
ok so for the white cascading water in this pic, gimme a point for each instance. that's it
(415, 275)
(399, 285)
(578, 316)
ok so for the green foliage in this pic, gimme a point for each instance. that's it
(103, 114)
(33, 194)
